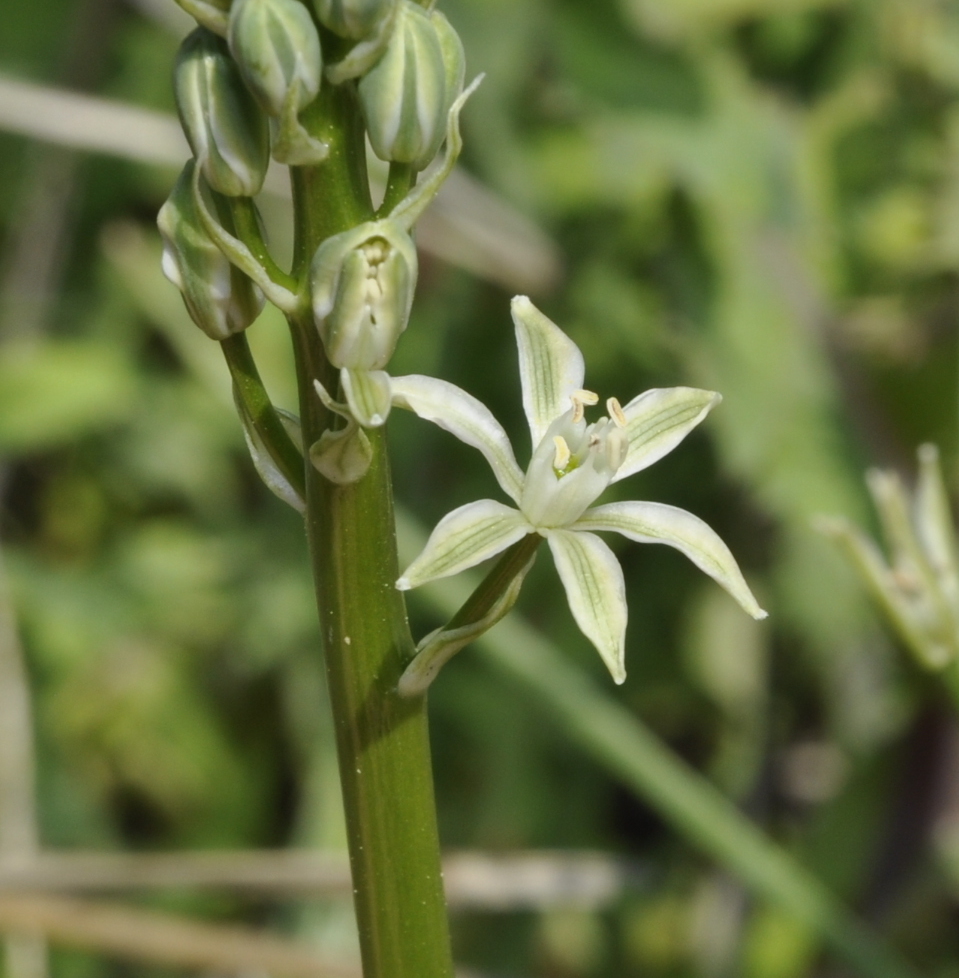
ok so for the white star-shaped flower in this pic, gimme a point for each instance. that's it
(573, 461)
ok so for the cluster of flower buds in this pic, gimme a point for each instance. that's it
(242, 80)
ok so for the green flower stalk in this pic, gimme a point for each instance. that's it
(223, 124)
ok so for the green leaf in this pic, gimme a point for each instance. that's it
(56, 391)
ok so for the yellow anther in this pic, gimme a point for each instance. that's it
(616, 412)
(580, 399)
(562, 456)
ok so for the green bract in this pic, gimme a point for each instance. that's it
(209, 13)
(354, 19)
(221, 300)
(407, 94)
(226, 130)
(362, 288)
(277, 49)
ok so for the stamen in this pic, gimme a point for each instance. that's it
(616, 412)
(562, 456)
(581, 398)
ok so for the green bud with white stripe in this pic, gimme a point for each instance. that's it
(406, 95)
(277, 49)
(221, 300)
(353, 19)
(226, 130)
(362, 289)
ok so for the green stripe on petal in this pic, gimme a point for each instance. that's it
(659, 523)
(658, 420)
(368, 394)
(462, 415)
(551, 367)
(596, 593)
(464, 538)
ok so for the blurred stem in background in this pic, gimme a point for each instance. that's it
(26, 956)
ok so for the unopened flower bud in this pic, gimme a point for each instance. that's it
(362, 287)
(227, 132)
(221, 300)
(406, 95)
(354, 19)
(277, 49)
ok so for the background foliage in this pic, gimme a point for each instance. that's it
(756, 196)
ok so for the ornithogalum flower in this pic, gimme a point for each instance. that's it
(572, 462)
(918, 585)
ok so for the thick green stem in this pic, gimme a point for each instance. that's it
(382, 740)
(248, 230)
(259, 409)
(401, 178)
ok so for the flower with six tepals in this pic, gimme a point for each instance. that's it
(572, 462)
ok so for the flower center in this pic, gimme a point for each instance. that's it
(605, 440)
(574, 463)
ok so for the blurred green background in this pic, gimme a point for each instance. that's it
(756, 196)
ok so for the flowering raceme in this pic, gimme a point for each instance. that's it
(572, 462)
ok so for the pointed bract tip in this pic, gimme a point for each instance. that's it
(760, 615)
(619, 678)
(403, 584)
(472, 86)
